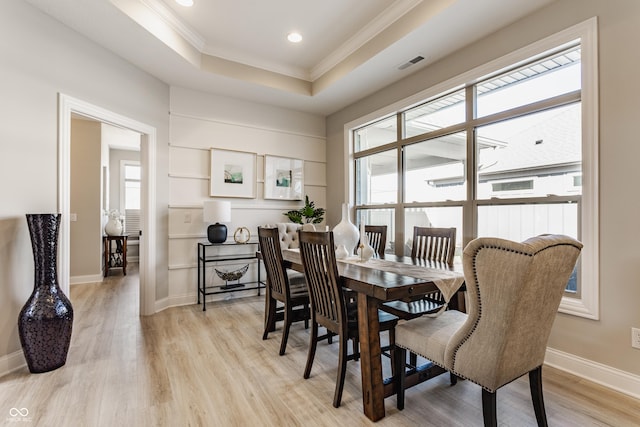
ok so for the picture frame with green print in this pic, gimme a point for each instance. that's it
(233, 174)
(283, 178)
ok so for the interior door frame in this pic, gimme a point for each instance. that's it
(66, 106)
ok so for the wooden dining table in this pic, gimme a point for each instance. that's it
(375, 285)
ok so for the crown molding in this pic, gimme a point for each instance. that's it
(390, 15)
(172, 21)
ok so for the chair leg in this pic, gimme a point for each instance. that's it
(453, 378)
(489, 412)
(270, 316)
(313, 341)
(288, 315)
(356, 348)
(342, 370)
(306, 320)
(535, 383)
(400, 362)
(413, 359)
(392, 346)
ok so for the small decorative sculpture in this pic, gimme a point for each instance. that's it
(228, 276)
(242, 235)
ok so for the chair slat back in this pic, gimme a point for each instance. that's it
(277, 279)
(377, 235)
(434, 244)
(321, 272)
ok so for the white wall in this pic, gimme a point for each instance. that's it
(40, 58)
(200, 122)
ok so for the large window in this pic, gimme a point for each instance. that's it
(508, 150)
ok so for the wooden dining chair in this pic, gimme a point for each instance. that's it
(514, 293)
(433, 245)
(328, 305)
(377, 236)
(292, 292)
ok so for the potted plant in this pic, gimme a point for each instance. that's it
(307, 214)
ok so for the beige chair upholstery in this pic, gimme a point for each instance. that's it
(288, 233)
(514, 293)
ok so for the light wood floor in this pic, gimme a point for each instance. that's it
(185, 367)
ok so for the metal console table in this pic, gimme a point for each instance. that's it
(203, 259)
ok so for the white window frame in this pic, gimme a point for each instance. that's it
(587, 303)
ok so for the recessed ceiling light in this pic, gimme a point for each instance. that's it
(294, 37)
(186, 3)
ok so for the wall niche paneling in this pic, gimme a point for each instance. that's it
(197, 124)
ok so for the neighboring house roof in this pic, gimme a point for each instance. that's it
(552, 142)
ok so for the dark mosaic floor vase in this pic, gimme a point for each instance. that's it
(46, 319)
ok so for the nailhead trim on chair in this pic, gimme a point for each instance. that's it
(475, 275)
(479, 298)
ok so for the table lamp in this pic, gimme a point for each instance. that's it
(216, 211)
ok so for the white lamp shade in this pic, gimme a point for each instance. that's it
(216, 211)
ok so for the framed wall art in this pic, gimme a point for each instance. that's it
(233, 174)
(283, 178)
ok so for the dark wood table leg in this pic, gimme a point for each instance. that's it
(106, 249)
(370, 361)
(124, 255)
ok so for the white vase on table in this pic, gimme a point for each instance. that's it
(365, 251)
(113, 227)
(341, 252)
(345, 233)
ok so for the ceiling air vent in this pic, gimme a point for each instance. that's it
(411, 62)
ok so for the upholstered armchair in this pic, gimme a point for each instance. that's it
(514, 290)
(288, 233)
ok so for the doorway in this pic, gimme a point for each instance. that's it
(68, 106)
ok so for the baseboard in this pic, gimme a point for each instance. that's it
(162, 304)
(189, 299)
(92, 278)
(624, 382)
(12, 362)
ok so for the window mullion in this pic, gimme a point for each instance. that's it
(399, 208)
(470, 208)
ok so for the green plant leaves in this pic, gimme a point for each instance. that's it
(309, 213)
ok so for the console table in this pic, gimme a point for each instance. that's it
(204, 259)
(115, 258)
